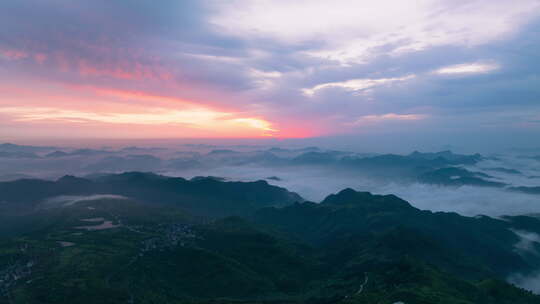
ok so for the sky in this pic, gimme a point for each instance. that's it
(433, 71)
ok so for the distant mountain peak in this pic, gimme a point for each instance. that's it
(351, 197)
(68, 178)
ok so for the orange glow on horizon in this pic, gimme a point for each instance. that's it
(57, 108)
(196, 120)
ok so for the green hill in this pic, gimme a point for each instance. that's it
(354, 247)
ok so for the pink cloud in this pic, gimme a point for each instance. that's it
(13, 54)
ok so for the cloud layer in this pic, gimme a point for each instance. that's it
(268, 68)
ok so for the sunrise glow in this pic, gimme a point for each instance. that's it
(212, 69)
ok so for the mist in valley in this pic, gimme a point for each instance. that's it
(312, 172)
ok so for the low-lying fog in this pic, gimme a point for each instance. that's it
(494, 185)
(311, 172)
(316, 184)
